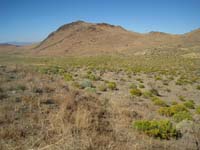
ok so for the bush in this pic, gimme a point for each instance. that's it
(182, 81)
(174, 103)
(102, 87)
(158, 78)
(198, 87)
(154, 92)
(180, 116)
(178, 108)
(112, 85)
(141, 86)
(170, 111)
(158, 102)
(165, 111)
(92, 77)
(160, 129)
(135, 92)
(76, 84)
(189, 104)
(147, 94)
(86, 83)
(139, 80)
(68, 77)
(90, 89)
(198, 110)
(182, 98)
(52, 70)
(133, 86)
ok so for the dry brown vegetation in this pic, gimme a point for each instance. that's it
(142, 93)
(44, 111)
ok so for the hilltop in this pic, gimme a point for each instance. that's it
(83, 38)
(89, 38)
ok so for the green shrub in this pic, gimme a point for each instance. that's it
(43, 70)
(147, 94)
(174, 103)
(178, 108)
(139, 80)
(154, 92)
(133, 86)
(68, 77)
(189, 104)
(123, 80)
(52, 70)
(198, 87)
(86, 83)
(90, 89)
(141, 86)
(102, 87)
(112, 85)
(135, 92)
(158, 78)
(92, 77)
(198, 109)
(165, 111)
(160, 129)
(179, 82)
(182, 98)
(182, 81)
(170, 111)
(158, 102)
(76, 85)
(171, 78)
(183, 115)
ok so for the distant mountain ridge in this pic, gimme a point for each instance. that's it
(17, 43)
(79, 38)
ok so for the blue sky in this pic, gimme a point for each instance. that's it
(33, 20)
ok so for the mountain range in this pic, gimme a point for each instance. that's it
(83, 38)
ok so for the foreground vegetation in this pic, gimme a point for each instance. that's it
(99, 102)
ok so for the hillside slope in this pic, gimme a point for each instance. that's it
(82, 38)
(88, 38)
(6, 48)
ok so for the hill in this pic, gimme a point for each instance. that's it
(98, 86)
(83, 38)
(89, 38)
(7, 48)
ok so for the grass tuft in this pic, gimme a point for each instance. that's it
(162, 129)
(170, 111)
(183, 115)
(189, 104)
(135, 92)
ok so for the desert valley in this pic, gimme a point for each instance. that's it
(97, 86)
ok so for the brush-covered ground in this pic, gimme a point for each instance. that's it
(100, 102)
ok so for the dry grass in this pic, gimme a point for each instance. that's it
(44, 112)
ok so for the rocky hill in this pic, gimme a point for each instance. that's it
(79, 38)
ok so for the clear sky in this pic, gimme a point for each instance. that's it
(33, 20)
